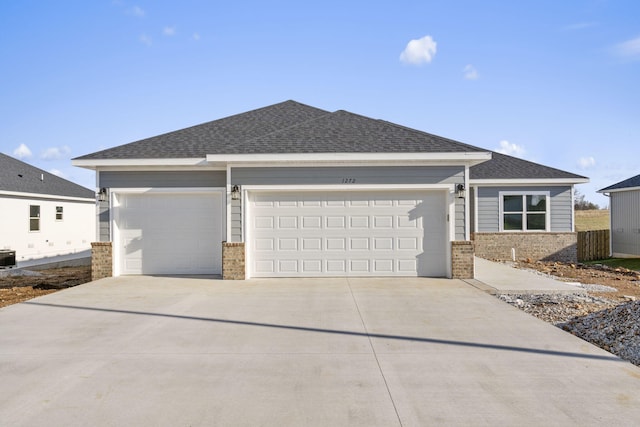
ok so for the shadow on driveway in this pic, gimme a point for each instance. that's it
(341, 332)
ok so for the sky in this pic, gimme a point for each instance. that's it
(554, 82)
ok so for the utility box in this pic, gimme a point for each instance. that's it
(7, 258)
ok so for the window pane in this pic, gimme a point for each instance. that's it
(513, 203)
(34, 225)
(513, 221)
(34, 211)
(536, 203)
(58, 212)
(536, 221)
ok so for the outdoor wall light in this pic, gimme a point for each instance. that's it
(460, 192)
(235, 193)
(102, 195)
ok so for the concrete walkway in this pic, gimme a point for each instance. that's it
(496, 277)
(163, 351)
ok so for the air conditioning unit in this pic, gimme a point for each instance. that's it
(7, 258)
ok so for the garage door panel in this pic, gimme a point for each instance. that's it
(348, 233)
(335, 244)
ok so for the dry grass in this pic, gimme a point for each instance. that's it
(592, 220)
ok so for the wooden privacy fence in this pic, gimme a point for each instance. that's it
(593, 245)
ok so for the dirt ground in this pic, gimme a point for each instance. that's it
(627, 282)
(18, 288)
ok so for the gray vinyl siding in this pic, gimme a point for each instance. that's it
(144, 179)
(472, 208)
(361, 175)
(104, 234)
(561, 209)
(625, 222)
(236, 221)
(148, 179)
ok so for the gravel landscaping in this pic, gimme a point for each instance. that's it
(605, 310)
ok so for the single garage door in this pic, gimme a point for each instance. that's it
(169, 233)
(340, 233)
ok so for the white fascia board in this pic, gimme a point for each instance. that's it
(470, 158)
(163, 168)
(618, 190)
(129, 163)
(45, 196)
(533, 181)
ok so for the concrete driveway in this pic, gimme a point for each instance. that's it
(167, 351)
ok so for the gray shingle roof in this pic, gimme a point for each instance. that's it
(224, 136)
(502, 166)
(21, 177)
(287, 127)
(344, 132)
(292, 127)
(627, 183)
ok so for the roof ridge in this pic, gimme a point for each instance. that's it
(433, 135)
(291, 127)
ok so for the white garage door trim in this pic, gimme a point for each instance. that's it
(249, 190)
(115, 193)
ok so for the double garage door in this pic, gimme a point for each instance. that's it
(346, 233)
(169, 233)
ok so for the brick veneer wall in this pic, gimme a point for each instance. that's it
(462, 266)
(533, 246)
(101, 260)
(233, 265)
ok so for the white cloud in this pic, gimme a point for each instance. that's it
(511, 149)
(586, 162)
(58, 172)
(145, 39)
(54, 153)
(22, 152)
(169, 31)
(628, 49)
(136, 11)
(419, 51)
(470, 72)
(196, 36)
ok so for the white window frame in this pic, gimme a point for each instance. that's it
(61, 213)
(39, 218)
(547, 212)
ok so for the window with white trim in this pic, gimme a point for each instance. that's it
(34, 217)
(524, 211)
(59, 213)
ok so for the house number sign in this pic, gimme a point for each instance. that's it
(348, 180)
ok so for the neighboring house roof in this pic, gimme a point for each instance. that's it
(633, 182)
(20, 177)
(502, 166)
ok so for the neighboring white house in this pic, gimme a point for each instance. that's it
(293, 190)
(45, 218)
(624, 211)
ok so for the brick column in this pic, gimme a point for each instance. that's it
(233, 266)
(101, 260)
(462, 266)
